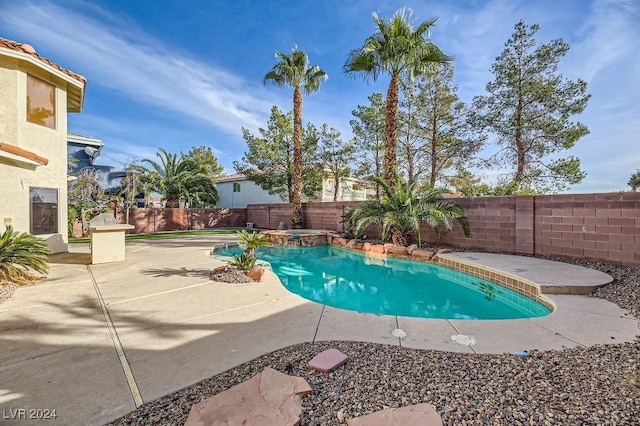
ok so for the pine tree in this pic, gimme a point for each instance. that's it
(528, 110)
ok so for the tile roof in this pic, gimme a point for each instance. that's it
(12, 149)
(29, 50)
(237, 176)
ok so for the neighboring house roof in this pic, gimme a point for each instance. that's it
(21, 154)
(77, 138)
(231, 178)
(75, 91)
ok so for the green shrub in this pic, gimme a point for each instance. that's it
(245, 262)
(19, 253)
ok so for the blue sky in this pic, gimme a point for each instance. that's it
(184, 73)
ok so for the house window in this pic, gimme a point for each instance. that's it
(41, 102)
(236, 187)
(44, 211)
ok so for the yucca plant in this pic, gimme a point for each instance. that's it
(251, 241)
(21, 253)
(402, 209)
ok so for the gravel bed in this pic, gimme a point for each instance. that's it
(596, 385)
(6, 291)
(232, 276)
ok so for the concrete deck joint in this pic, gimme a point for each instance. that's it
(126, 368)
(315, 333)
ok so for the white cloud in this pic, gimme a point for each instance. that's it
(116, 55)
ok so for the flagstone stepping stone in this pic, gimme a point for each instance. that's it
(328, 360)
(421, 414)
(268, 398)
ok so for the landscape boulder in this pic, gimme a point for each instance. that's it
(411, 248)
(351, 244)
(268, 398)
(366, 246)
(423, 414)
(401, 250)
(422, 254)
(257, 273)
(377, 248)
(338, 241)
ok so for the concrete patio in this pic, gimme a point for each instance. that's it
(95, 341)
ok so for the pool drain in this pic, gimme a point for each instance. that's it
(462, 339)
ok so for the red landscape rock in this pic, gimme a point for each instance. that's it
(268, 398)
(377, 248)
(338, 241)
(397, 250)
(387, 245)
(366, 246)
(422, 254)
(351, 244)
(411, 248)
(328, 360)
(421, 414)
(257, 273)
(442, 251)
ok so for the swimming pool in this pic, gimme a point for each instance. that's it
(349, 280)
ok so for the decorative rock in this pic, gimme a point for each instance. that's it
(422, 254)
(421, 414)
(339, 241)
(359, 245)
(397, 250)
(351, 244)
(257, 273)
(411, 248)
(270, 397)
(366, 246)
(377, 248)
(387, 245)
(218, 270)
(443, 251)
(328, 360)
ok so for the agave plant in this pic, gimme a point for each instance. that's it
(19, 253)
(251, 241)
(402, 209)
(245, 261)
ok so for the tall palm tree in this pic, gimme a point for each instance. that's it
(178, 177)
(403, 52)
(294, 71)
(402, 209)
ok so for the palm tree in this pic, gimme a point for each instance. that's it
(178, 177)
(20, 252)
(401, 51)
(294, 71)
(402, 209)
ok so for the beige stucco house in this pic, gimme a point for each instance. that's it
(35, 96)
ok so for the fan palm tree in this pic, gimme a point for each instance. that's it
(401, 51)
(19, 253)
(402, 209)
(178, 177)
(294, 71)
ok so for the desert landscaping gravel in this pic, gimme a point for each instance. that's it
(598, 385)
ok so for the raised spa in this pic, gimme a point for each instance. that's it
(350, 280)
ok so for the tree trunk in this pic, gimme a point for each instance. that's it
(434, 151)
(336, 186)
(391, 130)
(377, 173)
(399, 239)
(519, 177)
(296, 220)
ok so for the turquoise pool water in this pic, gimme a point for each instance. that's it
(345, 279)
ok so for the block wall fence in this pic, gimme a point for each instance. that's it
(602, 227)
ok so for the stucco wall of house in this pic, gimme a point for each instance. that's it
(17, 178)
(250, 193)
